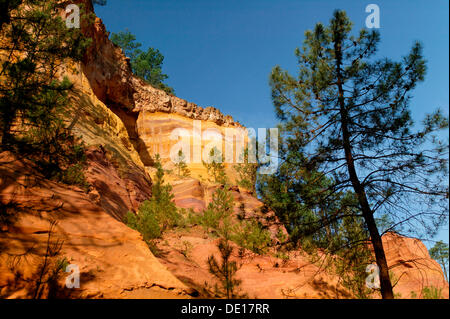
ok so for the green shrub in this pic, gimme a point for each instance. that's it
(74, 175)
(157, 214)
(283, 256)
(252, 236)
(246, 172)
(281, 236)
(225, 271)
(144, 222)
(215, 167)
(432, 293)
(181, 166)
(220, 208)
(249, 235)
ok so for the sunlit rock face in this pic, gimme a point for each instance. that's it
(412, 266)
(113, 260)
(165, 134)
(124, 123)
(151, 115)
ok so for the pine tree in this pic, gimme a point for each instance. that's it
(347, 116)
(183, 170)
(144, 64)
(36, 47)
(247, 172)
(439, 252)
(158, 213)
(219, 209)
(225, 269)
(216, 167)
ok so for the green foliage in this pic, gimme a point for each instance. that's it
(145, 64)
(145, 222)
(157, 214)
(247, 234)
(246, 172)
(225, 270)
(252, 236)
(34, 91)
(127, 41)
(346, 116)
(439, 252)
(315, 219)
(180, 164)
(350, 266)
(74, 175)
(281, 236)
(282, 255)
(220, 208)
(215, 166)
(432, 293)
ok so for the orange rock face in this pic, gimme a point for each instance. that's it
(124, 122)
(266, 276)
(413, 268)
(151, 115)
(191, 194)
(113, 260)
(120, 191)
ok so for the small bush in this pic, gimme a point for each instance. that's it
(246, 172)
(74, 175)
(281, 236)
(220, 208)
(215, 166)
(225, 271)
(284, 257)
(252, 236)
(145, 223)
(247, 234)
(157, 214)
(432, 293)
(181, 166)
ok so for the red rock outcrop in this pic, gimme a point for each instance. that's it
(119, 192)
(120, 119)
(113, 260)
(150, 114)
(413, 268)
(139, 105)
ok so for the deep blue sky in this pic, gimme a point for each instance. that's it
(220, 52)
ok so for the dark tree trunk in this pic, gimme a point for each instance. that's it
(375, 238)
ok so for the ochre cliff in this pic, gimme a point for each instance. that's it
(149, 115)
(124, 123)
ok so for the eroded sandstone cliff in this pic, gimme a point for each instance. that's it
(124, 122)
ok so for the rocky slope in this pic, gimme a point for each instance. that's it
(124, 123)
(113, 260)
